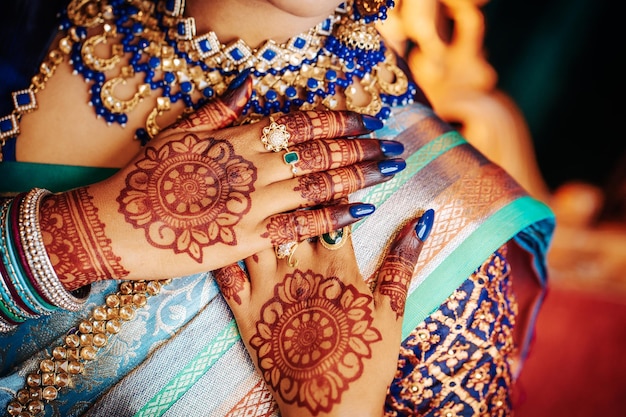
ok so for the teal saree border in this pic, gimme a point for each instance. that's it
(498, 229)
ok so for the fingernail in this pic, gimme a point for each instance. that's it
(425, 224)
(361, 210)
(391, 166)
(371, 122)
(391, 147)
(239, 80)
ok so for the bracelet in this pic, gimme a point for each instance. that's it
(44, 278)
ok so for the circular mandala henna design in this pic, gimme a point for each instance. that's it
(189, 195)
(312, 339)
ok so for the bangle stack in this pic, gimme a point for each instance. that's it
(29, 287)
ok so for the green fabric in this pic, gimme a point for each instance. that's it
(22, 176)
(495, 231)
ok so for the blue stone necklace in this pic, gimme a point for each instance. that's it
(153, 41)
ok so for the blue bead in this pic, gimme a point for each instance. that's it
(169, 77)
(312, 83)
(208, 92)
(271, 95)
(121, 119)
(137, 28)
(331, 75)
(154, 62)
(291, 92)
(186, 86)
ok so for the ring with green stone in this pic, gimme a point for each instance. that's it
(291, 158)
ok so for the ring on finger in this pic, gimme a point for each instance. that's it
(286, 250)
(291, 158)
(335, 239)
(275, 137)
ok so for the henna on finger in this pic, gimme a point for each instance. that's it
(312, 339)
(398, 266)
(319, 187)
(303, 224)
(326, 124)
(189, 194)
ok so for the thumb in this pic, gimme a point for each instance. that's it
(221, 111)
(397, 269)
(234, 285)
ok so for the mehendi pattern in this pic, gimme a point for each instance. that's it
(320, 346)
(75, 240)
(188, 195)
(458, 361)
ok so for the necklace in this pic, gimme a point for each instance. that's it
(152, 40)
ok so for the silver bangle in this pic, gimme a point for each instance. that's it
(36, 256)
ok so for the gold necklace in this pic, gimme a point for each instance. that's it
(319, 68)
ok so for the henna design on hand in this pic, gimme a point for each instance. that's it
(312, 339)
(305, 126)
(315, 154)
(302, 224)
(319, 187)
(188, 195)
(230, 279)
(394, 281)
(75, 240)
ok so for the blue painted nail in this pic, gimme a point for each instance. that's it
(239, 79)
(371, 122)
(391, 147)
(362, 210)
(391, 166)
(425, 224)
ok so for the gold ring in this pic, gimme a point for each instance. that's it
(335, 239)
(286, 250)
(275, 136)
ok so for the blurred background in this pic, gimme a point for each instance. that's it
(538, 86)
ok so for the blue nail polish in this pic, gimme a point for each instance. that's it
(425, 224)
(239, 79)
(371, 122)
(362, 210)
(391, 166)
(391, 147)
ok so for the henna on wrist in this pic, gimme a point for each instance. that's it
(75, 240)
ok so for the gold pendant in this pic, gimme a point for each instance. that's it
(118, 105)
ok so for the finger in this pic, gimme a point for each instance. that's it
(325, 154)
(234, 285)
(303, 224)
(322, 187)
(397, 268)
(303, 126)
(221, 111)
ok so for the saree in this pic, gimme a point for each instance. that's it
(182, 354)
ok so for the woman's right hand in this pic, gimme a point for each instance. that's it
(200, 196)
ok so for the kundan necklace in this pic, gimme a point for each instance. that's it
(152, 40)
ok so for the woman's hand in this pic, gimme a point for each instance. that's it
(323, 341)
(201, 196)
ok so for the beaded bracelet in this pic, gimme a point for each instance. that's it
(38, 264)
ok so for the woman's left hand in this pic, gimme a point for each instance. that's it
(324, 342)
